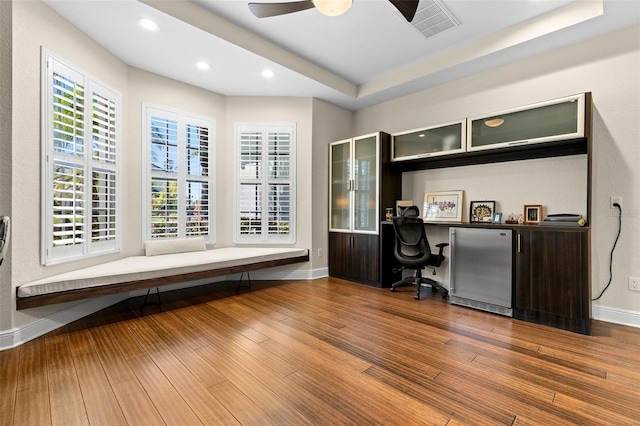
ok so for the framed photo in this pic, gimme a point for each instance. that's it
(497, 218)
(442, 206)
(532, 214)
(481, 211)
(401, 206)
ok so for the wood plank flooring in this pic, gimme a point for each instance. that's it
(323, 352)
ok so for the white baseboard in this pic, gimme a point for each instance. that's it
(266, 274)
(17, 336)
(616, 316)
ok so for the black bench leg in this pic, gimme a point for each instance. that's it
(144, 303)
(240, 282)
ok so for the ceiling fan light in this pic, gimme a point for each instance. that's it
(332, 7)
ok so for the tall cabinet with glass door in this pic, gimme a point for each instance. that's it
(361, 187)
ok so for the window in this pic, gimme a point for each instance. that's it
(265, 191)
(179, 186)
(80, 165)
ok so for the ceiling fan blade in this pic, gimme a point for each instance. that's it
(406, 7)
(264, 10)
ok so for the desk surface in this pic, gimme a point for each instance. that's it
(502, 226)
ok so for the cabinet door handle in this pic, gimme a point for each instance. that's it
(519, 243)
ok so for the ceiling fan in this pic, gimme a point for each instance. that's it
(328, 7)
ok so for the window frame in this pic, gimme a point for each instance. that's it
(110, 165)
(264, 237)
(183, 120)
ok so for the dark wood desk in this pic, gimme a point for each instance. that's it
(552, 272)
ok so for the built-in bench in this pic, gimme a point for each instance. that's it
(166, 262)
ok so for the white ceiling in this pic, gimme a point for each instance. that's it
(366, 56)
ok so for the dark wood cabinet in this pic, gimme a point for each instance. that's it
(552, 278)
(354, 257)
(361, 187)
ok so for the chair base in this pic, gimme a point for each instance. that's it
(418, 281)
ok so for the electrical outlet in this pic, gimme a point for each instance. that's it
(319, 252)
(634, 284)
(615, 199)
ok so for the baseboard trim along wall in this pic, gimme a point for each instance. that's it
(616, 316)
(17, 336)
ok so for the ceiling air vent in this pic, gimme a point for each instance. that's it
(432, 18)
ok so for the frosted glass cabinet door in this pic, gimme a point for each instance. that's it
(340, 185)
(429, 142)
(555, 120)
(365, 172)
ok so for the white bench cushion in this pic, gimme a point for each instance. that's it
(146, 267)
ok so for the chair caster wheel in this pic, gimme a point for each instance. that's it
(445, 294)
(392, 289)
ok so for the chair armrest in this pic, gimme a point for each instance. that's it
(440, 257)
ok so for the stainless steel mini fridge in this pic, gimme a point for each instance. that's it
(481, 269)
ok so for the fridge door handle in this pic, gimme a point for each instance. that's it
(519, 243)
(452, 246)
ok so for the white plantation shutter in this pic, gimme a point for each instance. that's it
(68, 204)
(265, 194)
(80, 166)
(179, 186)
(250, 179)
(103, 206)
(104, 169)
(197, 211)
(279, 181)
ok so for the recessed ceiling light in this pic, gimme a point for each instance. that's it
(421, 135)
(148, 24)
(268, 73)
(203, 66)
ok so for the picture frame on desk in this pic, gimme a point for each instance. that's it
(402, 205)
(443, 206)
(532, 214)
(481, 211)
(497, 218)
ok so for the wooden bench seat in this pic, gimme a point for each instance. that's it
(142, 272)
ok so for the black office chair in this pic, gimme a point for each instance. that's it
(412, 251)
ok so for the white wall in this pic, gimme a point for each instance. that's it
(330, 123)
(145, 87)
(265, 109)
(36, 25)
(5, 151)
(607, 66)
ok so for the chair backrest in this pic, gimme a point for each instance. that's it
(411, 211)
(411, 247)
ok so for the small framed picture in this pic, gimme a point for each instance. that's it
(442, 206)
(401, 206)
(497, 218)
(481, 211)
(532, 214)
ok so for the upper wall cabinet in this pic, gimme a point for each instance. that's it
(429, 141)
(555, 120)
(361, 185)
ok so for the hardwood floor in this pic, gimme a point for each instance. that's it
(318, 352)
